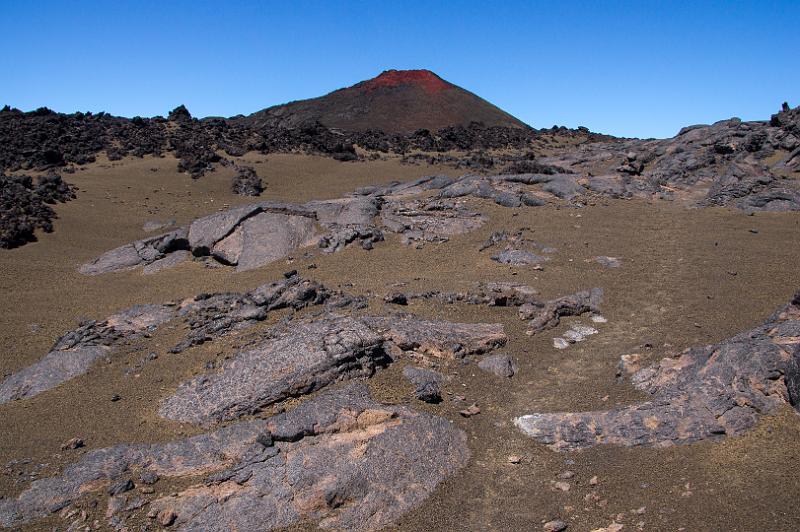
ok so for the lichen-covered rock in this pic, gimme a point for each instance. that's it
(703, 393)
(341, 461)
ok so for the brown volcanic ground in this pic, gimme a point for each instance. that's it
(672, 291)
(396, 101)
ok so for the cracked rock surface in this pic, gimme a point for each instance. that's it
(341, 460)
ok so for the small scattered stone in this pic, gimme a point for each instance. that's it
(500, 364)
(563, 486)
(74, 443)
(120, 487)
(556, 525)
(115, 398)
(167, 517)
(396, 298)
(514, 459)
(566, 475)
(594, 481)
(560, 343)
(470, 411)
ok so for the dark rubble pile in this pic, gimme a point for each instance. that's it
(25, 206)
(44, 139)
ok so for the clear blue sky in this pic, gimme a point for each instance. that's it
(636, 68)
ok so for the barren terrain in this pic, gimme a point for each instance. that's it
(687, 277)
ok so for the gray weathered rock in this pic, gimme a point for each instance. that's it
(207, 315)
(169, 261)
(155, 225)
(55, 368)
(548, 314)
(345, 211)
(429, 220)
(208, 230)
(500, 364)
(608, 262)
(308, 356)
(267, 237)
(75, 352)
(409, 335)
(518, 257)
(341, 461)
(122, 258)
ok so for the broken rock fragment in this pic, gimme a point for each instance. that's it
(499, 364)
(547, 315)
(426, 383)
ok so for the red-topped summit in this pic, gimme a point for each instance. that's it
(424, 79)
(395, 101)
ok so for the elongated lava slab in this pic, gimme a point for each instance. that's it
(703, 393)
(312, 354)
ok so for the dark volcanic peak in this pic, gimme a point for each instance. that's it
(397, 101)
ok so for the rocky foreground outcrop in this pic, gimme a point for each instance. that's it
(206, 317)
(295, 357)
(704, 393)
(341, 461)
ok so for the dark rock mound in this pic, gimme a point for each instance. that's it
(246, 182)
(24, 206)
